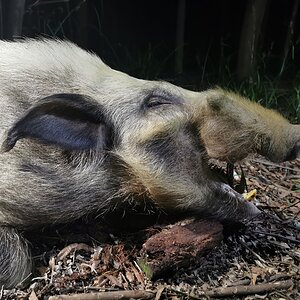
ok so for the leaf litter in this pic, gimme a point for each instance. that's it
(251, 260)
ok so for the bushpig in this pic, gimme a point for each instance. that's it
(81, 138)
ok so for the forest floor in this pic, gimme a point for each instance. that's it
(259, 260)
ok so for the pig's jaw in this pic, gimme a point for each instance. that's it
(228, 203)
(241, 208)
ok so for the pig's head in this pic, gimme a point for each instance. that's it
(154, 149)
(155, 139)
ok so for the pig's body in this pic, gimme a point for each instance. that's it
(101, 138)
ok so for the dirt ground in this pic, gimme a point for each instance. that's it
(257, 260)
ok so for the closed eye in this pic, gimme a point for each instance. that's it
(157, 101)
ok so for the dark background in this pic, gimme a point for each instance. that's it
(251, 46)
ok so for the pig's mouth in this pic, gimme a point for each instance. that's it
(226, 173)
(233, 188)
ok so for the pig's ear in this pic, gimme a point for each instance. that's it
(215, 103)
(70, 121)
(220, 102)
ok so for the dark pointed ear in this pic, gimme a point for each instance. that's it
(70, 121)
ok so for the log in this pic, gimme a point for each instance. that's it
(178, 245)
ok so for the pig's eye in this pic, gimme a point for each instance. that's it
(157, 101)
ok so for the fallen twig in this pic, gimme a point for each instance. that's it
(279, 276)
(277, 236)
(268, 163)
(282, 295)
(116, 295)
(188, 295)
(159, 292)
(240, 282)
(291, 205)
(76, 246)
(1, 291)
(249, 289)
(253, 252)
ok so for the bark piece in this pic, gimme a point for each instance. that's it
(178, 245)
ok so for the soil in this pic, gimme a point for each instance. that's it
(256, 260)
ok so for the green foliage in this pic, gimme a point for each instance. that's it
(275, 93)
(267, 86)
(145, 267)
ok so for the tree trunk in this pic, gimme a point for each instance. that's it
(247, 56)
(83, 31)
(1, 20)
(13, 18)
(289, 35)
(180, 36)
